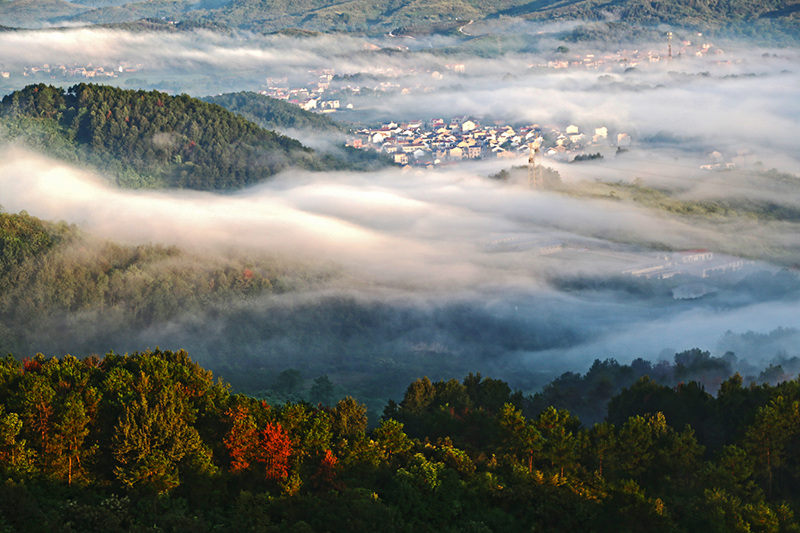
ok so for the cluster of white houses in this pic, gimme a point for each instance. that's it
(76, 71)
(698, 263)
(311, 97)
(440, 141)
(611, 62)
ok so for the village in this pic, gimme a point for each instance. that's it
(433, 142)
(440, 141)
(90, 71)
(325, 91)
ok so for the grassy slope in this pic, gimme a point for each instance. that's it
(748, 218)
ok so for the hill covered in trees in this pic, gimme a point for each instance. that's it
(274, 114)
(151, 442)
(58, 284)
(152, 139)
(746, 17)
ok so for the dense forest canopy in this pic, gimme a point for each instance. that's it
(274, 114)
(152, 139)
(151, 442)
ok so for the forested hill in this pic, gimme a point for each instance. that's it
(54, 277)
(758, 19)
(360, 15)
(752, 17)
(275, 114)
(152, 139)
(150, 442)
(272, 113)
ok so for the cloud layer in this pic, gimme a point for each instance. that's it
(418, 251)
(423, 278)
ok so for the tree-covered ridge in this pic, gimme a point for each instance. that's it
(751, 18)
(149, 441)
(154, 139)
(21, 236)
(22, 13)
(735, 14)
(272, 113)
(363, 16)
(54, 279)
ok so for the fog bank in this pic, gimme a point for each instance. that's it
(423, 282)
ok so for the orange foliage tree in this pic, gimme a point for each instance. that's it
(241, 440)
(276, 449)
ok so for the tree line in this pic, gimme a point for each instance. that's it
(151, 442)
(272, 113)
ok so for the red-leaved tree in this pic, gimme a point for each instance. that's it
(276, 449)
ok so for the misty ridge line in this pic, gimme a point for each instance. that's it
(324, 196)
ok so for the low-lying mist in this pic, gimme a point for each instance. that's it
(444, 272)
(725, 96)
(420, 280)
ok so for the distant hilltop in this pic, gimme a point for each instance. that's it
(750, 18)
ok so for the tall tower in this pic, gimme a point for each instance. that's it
(535, 180)
(669, 46)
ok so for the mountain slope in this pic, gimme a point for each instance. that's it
(683, 12)
(33, 13)
(53, 275)
(275, 114)
(360, 15)
(151, 138)
(272, 113)
(738, 16)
